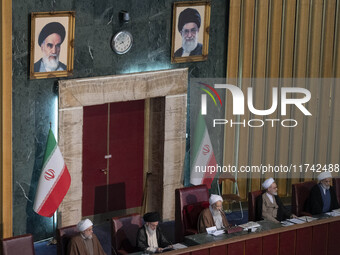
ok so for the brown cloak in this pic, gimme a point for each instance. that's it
(77, 246)
(206, 220)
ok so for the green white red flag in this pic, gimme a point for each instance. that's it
(203, 156)
(54, 181)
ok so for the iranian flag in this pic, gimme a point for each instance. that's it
(54, 181)
(203, 156)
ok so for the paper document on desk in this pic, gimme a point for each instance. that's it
(296, 221)
(211, 230)
(250, 224)
(178, 246)
(333, 213)
(307, 218)
(336, 211)
(286, 223)
(218, 232)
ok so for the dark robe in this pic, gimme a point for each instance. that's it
(77, 246)
(314, 203)
(142, 239)
(282, 212)
(206, 220)
(196, 51)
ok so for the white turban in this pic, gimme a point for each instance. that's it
(214, 198)
(324, 175)
(84, 224)
(266, 184)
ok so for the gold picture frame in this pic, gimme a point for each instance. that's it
(190, 31)
(52, 44)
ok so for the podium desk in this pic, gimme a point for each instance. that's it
(319, 237)
(205, 238)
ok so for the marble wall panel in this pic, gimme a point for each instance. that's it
(35, 101)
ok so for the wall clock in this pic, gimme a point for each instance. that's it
(121, 42)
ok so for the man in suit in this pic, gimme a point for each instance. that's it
(189, 23)
(50, 39)
(322, 197)
(269, 205)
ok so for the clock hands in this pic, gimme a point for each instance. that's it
(122, 42)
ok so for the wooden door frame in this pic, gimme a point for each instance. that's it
(6, 210)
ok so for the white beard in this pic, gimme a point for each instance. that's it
(151, 232)
(189, 45)
(325, 187)
(86, 237)
(217, 217)
(215, 212)
(152, 238)
(51, 64)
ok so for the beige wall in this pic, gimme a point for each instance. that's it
(284, 39)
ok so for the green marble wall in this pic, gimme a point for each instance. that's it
(35, 101)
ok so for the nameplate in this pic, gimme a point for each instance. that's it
(234, 229)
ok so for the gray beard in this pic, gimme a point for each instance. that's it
(214, 212)
(324, 186)
(150, 231)
(86, 237)
(51, 64)
(189, 45)
(217, 217)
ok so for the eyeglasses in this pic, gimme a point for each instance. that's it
(193, 31)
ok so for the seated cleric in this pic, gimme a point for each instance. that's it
(85, 242)
(322, 197)
(50, 39)
(150, 237)
(269, 205)
(213, 215)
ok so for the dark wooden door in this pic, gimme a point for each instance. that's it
(113, 161)
(94, 162)
(126, 150)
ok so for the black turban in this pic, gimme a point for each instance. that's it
(151, 217)
(189, 15)
(51, 28)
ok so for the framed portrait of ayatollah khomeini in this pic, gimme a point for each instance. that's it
(52, 49)
(190, 31)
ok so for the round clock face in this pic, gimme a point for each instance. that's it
(121, 42)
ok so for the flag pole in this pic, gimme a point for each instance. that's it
(54, 219)
(54, 239)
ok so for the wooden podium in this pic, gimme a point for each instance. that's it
(317, 237)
